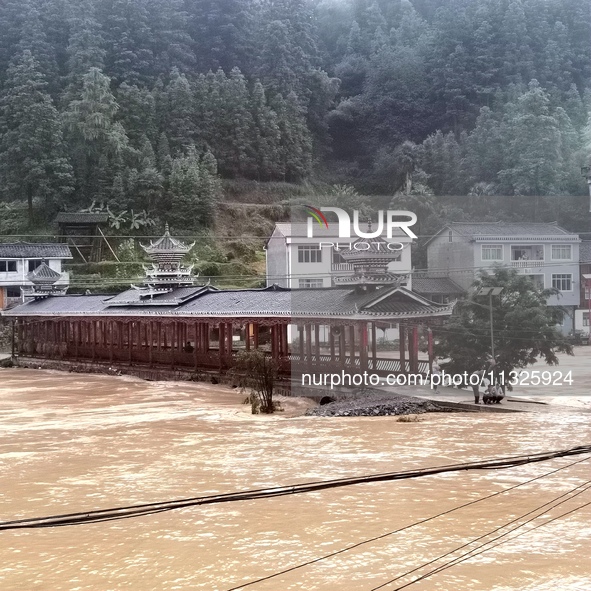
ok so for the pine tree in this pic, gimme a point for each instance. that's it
(85, 50)
(12, 18)
(518, 63)
(33, 39)
(192, 189)
(223, 33)
(296, 143)
(33, 162)
(235, 148)
(180, 123)
(168, 21)
(570, 146)
(163, 155)
(93, 131)
(267, 136)
(137, 111)
(532, 158)
(485, 149)
(129, 41)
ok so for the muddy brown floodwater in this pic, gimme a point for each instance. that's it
(75, 442)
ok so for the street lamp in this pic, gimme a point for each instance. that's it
(490, 292)
(585, 172)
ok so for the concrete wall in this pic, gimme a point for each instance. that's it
(277, 263)
(452, 259)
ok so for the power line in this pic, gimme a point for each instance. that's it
(146, 509)
(396, 531)
(546, 506)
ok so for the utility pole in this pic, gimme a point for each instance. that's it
(12, 357)
(490, 292)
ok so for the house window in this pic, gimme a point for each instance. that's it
(561, 252)
(33, 264)
(587, 292)
(492, 252)
(585, 318)
(13, 292)
(450, 236)
(309, 254)
(7, 266)
(562, 282)
(310, 283)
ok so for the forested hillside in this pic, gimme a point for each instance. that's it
(150, 104)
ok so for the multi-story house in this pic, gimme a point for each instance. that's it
(546, 253)
(296, 261)
(19, 259)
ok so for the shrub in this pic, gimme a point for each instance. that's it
(258, 372)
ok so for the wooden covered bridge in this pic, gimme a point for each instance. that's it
(170, 322)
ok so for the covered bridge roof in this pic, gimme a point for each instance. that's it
(209, 302)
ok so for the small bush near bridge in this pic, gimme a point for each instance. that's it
(258, 372)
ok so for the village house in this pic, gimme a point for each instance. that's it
(546, 253)
(297, 261)
(20, 260)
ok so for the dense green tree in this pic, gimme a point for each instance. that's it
(532, 157)
(129, 41)
(164, 159)
(222, 31)
(168, 21)
(524, 327)
(34, 39)
(193, 190)
(484, 154)
(93, 131)
(85, 50)
(137, 112)
(322, 85)
(33, 162)
(296, 143)
(267, 136)
(518, 61)
(179, 123)
(13, 14)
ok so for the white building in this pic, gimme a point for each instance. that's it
(296, 261)
(546, 253)
(19, 259)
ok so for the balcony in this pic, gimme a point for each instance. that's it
(527, 264)
(341, 267)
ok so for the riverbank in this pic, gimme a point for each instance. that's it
(374, 403)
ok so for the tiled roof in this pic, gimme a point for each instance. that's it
(34, 250)
(300, 230)
(167, 244)
(585, 252)
(43, 274)
(140, 297)
(507, 229)
(82, 218)
(267, 302)
(435, 285)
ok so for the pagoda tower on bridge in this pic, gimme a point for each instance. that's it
(167, 271)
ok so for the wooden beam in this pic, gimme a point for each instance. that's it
(401, 346)
(374, 347)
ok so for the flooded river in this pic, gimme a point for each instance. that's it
(73, 442)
